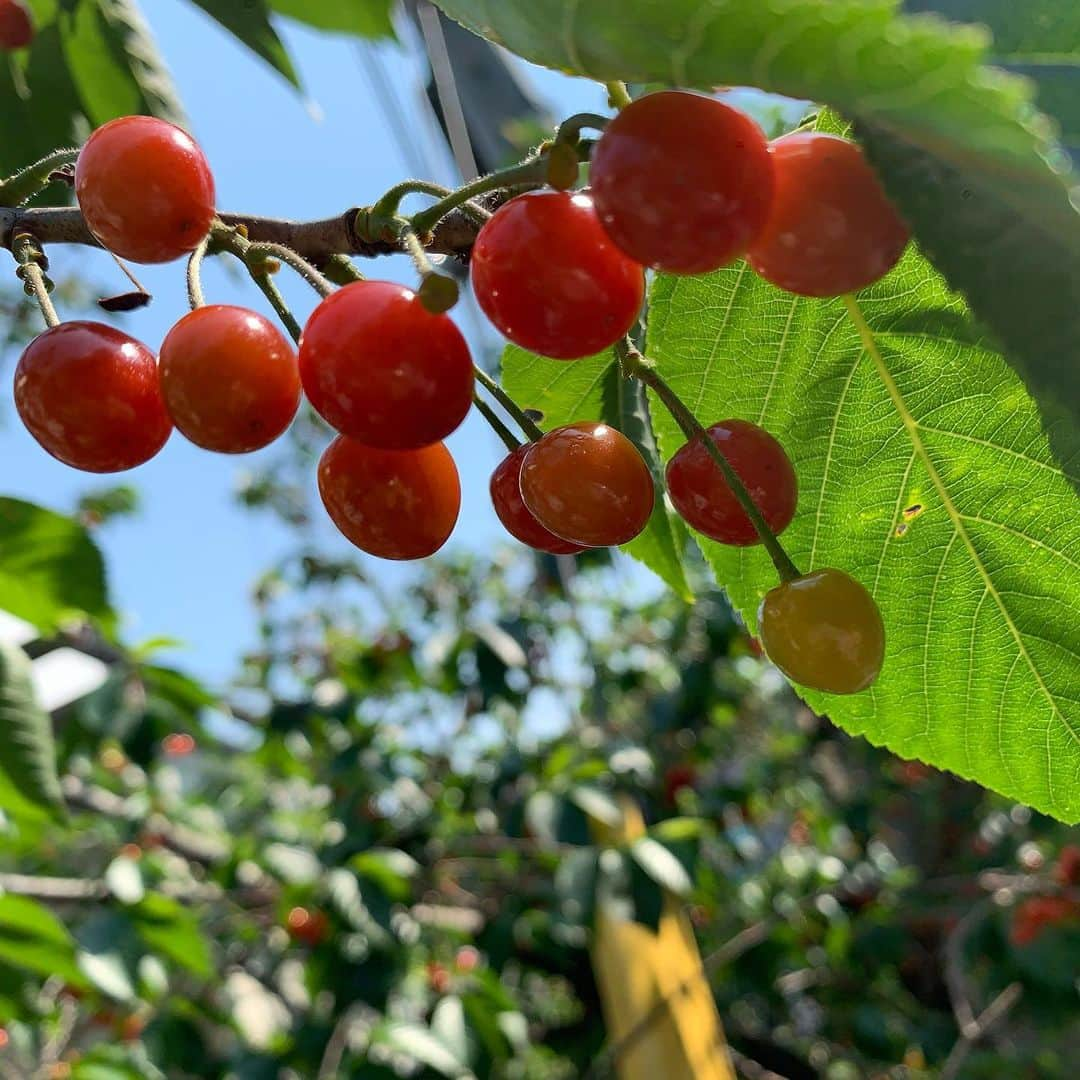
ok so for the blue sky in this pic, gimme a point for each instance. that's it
(184, 566)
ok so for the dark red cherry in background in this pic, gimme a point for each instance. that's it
(91, 397)
(396, 504)
(547, 276)
(701, 495)
(145, 189)
(229, 378)
(588, 483)
(832, 229)
(681, 181)
(16, 25)
(518, 520)
(381, 369)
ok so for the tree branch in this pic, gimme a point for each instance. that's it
(993, 1014)
(316, 240)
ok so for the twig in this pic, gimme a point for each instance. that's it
(58, 1041)
(336, 1044)
(992, 1015)
(956, 980)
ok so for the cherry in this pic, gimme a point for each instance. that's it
(588, 484)
(90, 396)
(702, 497)
(396, 504)
(380, 368)
(546, 274)
(145, 189)
(831, 229)
(1067, 870)
(467, 959)
(682, 182)
(823, 630)
(1033, 914)
(230, 379)
(517, 518)
(16, 25)
(676, 778)
(308, 927)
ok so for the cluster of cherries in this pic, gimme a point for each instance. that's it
(679, 182)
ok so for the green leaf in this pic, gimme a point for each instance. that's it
(966, 156)
(663, 867)
(391, 869)
(115, 63)
(27, 748)
(33, 939)
(169, 929)
(646, 895)
(575, 886)
(592, 389)
(364, 18)
(49, 566)
(448, 1025)
(250, 23)
(419, 1043)
(924, 472)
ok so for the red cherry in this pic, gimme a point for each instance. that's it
(1067, 870)
(229, 378)
(676, 778)
(16, 25)
(308, 927)
(516, 517)
(588, 484)
(380, 368)
(831, 229)
(703, 499)
(467, 958)
(1035, 913)
(396, 504)
(682, 182)
(145, 189)
(90, 395)
(546, 274)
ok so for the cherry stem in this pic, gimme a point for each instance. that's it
(523, 421)
(254, 257)
(531, 171)
(341, 270)
(386, 206)
(570, 129)
(635, 364)
(500, 429)
(264, 250)
(194, 274)
(16, 189)
(617, 94)
(32, 263)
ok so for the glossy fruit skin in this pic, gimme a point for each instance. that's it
(16, 25)
(587, 483)
(547, 276)
(145, 189)
(90, 396)
(823, 630)
(682, 182)
(380, 368)
(229, 378)
(396, 504)
(832, 229)
(516, 517)
(706, 503)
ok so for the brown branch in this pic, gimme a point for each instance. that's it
(992, 1015)
(317, 240)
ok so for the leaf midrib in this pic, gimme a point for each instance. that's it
(870, 347)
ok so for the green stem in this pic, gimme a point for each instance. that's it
(637, 365)
(385, 209)
(266, 283)
(341, 270)
(617, 94)
(194, 275)
(500, 429)
(526, 423)
(26, 183)
(263, 250)
(32, 262)
(533, 170)
(570, 129)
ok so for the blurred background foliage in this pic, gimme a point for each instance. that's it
(370, 855)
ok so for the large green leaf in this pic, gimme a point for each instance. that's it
(49, 566)
(27, 749)
(959, 144)
(250, 23)
(924, 472)
(169, 929)
(364, 18)
(33, 939)
(592, 389)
